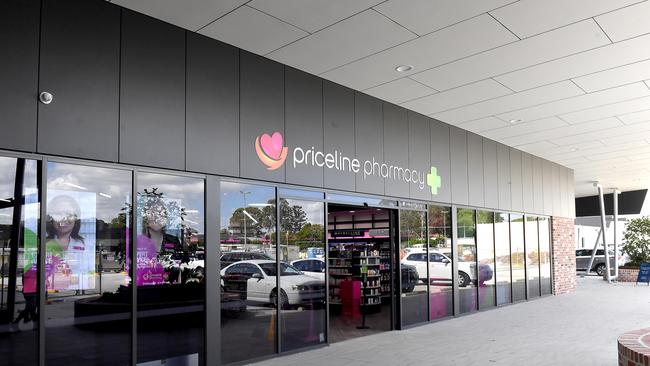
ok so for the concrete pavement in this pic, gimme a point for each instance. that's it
(579, 328)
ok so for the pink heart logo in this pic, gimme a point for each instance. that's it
(272, 145)
(271, 150)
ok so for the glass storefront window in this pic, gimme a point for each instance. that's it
(302, 283)
(518, 257)
(466, 249)
(414, 254)
(87, 284)
(545, 255)
(532, 256)
(441, 294)
(248, 267)
(19, 218)
(170, 269)
(502, 258)
(485, 253)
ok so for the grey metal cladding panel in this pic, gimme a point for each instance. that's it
(369, 141)
(527, 182)
(458, 151)
(19, 35)
(571, 194)
(475, 169)
(547, 171)
(564, 188)
(338, 128)
(556, 194)
(80, 66)
(490, 174)
(503, 170)
(516, 188)
(538, 186)
(304, 123)
(440, 158)
(261, 112)
(152, 93)
(212, 113)
(420, 153)
(396, 147)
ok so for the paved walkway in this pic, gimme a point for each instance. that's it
(579, 328)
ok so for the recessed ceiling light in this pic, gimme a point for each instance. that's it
(404, 68)
(513, 121)
(575, 149)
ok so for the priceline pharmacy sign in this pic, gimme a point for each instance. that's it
(273, 154)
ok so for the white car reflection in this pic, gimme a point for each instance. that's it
(311, 266)
(296, 288)
(440, 267)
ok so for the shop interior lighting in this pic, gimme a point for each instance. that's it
(250, 217)
(105, 195)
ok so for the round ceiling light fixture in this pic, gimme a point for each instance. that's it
(404, 68)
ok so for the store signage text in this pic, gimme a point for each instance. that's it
(272, 153)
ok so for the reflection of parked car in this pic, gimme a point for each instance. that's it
(311, 267)
(233, 257)
(410, 277)
(583, 256)
(440, 268)
(260, 276)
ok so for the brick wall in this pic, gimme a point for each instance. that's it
(632, 348)
(564, 255)
(628, 274)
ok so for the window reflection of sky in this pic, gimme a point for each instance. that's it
(232, 198)
(185, 190)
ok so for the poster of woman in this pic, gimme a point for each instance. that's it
(70, 240)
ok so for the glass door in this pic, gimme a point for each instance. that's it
(302, 269)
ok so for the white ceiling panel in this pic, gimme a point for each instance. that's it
(425, 16)
(580, 102)
(636, 117)
(464, 95)
(574, 134)
(603, 58)
(638, 138)
(400, 90)
(312, 15)
(252, 30)
(483, 124)
(343, 42)
(571, 161)
(609, 110)
(545, 94)
(537, 147)
(627, 22)
(524, 128)
(529, 17)
(571, 150)
(620, 153)
(602, 129)
(561, 42)
(188, 14)
(460, 40)
(627, 74)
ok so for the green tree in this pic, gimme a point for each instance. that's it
(637, 240)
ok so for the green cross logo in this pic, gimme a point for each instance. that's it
(434, 180)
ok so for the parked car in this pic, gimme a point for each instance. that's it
(583, 256)
(311, 267)
(234, 257)
(259, 277)
(410, 277)
(440, 268)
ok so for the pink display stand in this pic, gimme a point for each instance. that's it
(350, 298)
